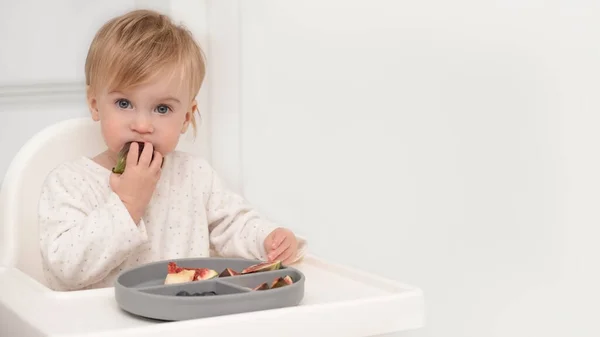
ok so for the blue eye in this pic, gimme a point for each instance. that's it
(123, 103)
(162, 109)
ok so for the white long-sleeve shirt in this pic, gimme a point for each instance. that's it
(87, 236)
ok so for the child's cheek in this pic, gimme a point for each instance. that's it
(167, 145)
(114, 131)
(169, 137)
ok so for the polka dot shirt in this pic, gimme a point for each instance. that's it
(87, 236)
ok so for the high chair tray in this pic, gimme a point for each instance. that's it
(223, 286)
(338, 301)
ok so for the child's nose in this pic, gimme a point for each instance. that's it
(142, 123)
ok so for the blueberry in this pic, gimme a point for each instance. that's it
(196, 294)
(208, 293)
(183, 293)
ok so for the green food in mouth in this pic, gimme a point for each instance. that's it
(122, 158)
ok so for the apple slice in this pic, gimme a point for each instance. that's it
(180, 277)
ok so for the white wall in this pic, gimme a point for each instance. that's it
(451, 145)
(42, 57)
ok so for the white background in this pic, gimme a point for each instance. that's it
(450, 145)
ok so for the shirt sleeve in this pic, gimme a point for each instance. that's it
(83, 239)
(236, 229)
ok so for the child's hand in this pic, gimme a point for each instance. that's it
(281, 244)
(136, 185)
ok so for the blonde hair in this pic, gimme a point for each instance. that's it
(129, 49)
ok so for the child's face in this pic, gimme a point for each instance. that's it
(157, 112)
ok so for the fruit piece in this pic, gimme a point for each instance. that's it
(278, 282)
(172, 268)
(182, 293)
(180, 277)
(263, 286)
(281, 282)
(265, 266)
(122, 157)
(228, 272)
(177, 274)
(204, 274)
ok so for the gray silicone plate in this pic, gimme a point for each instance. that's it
(141, 290)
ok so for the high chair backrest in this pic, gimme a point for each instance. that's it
(21, 187)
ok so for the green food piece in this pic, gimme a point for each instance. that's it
(122, 157)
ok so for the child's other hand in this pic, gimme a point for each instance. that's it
(281, 244)
(136, 185)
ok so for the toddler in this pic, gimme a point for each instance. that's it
(142, 74)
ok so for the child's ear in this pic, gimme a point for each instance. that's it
(92, 104)
(189, 115)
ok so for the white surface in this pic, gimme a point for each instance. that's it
(451, 145)
(224, 90)
(338, 302)
(47, 41)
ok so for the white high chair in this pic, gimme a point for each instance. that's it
(338, 301)
(22, 186)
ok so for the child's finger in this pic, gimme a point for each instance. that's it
(285, 255)
(278, 239)
(289, 258)
(157, 162)
(273, 255)
(146, 156)
(132, 155)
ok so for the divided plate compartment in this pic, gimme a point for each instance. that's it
(141, 291)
